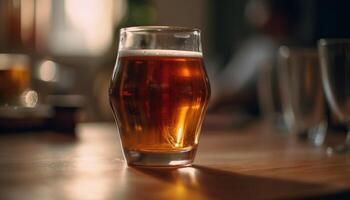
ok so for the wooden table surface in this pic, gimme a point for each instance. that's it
(248, 163)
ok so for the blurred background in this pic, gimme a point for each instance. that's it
(72, 44)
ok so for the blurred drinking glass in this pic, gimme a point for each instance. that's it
(269, 97)
(15, 82)
(335, 63)
(302, 95)
(159, 93)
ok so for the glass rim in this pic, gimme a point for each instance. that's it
(332, 41)
(288, 51)
(159, 29)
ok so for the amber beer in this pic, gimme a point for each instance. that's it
(158, 99)
(13, 82)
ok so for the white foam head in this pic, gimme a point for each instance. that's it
(159, 52)
(8, 61)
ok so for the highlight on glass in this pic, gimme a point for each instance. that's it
(159, 94)
(335, 66)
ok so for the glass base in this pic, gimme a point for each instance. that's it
(159, 159)
(316, 135)
(340, 149)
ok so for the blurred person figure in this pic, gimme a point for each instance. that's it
(274, 22)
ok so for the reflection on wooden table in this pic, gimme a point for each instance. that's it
(248, 163)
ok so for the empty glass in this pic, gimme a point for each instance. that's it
(302, 94)
(335, 62)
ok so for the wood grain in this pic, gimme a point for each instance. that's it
(248, 163)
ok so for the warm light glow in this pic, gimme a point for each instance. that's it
(189, 172)
(48, 71)
(185, 72)
(89, 187)
(88, 28)
(27, 19)
(76, 27)
(90, 165)
(87, 179)
(180, 191)
(196, 106)
(178, 162)
(180, 126)
(138, 128)
(29, 98)
(185, 185)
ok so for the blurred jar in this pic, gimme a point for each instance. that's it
(15, 81)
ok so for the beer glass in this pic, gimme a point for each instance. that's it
(159, 94)
(14, 82)
(335, 63)
(303, 100)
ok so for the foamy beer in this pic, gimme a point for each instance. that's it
(159, 94)
(14, 78)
